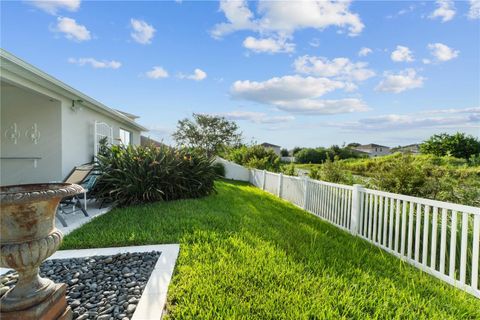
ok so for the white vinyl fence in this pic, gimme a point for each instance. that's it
(437, 237)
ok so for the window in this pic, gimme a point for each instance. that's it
(125, 136)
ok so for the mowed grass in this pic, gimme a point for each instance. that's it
(245, 254)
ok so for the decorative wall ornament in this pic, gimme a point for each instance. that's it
(33, 133)
(12, 133)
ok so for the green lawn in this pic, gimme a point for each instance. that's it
(247, 255)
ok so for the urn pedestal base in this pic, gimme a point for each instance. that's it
(54, 307)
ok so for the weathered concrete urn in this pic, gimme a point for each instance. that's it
(28, 236)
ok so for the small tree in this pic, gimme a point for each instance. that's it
(458, 145)
(256, 156)
(309, 155)
(296, 150)
(211, 134)
(284, 153)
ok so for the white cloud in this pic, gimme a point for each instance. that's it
(429, 119)
(474, 12)
(72, 30)
(104, 64)
(340, 68)
(257, 117)
(297, 94)
(364, 52)
(157, 72)
(286, 88)
(282, 18)
(404, 80)
(426, 61)
(238, 15)
(142, 31)
(314, 43)
(198, 75)
(402, 12)
(53, 6)
(402, 54)
(318, 106)
(442, 52)
(445, 10)
(270, 45)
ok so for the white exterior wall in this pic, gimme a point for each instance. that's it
(78, 134)
(234, 171)
(26, 108)
(276, 150)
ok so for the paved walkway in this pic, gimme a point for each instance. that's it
(77, 219)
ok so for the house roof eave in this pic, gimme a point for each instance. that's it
(34, 74)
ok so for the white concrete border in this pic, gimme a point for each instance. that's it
(154, 295)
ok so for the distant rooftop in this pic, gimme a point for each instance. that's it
(269, 145)
(371, 145)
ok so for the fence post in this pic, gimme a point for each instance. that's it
(264, 178)
(305, 189)
(355, 214)
(280, 185)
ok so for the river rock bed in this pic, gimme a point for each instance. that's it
(98, 287)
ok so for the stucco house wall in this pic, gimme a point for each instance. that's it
(78, 134)
(24, 109)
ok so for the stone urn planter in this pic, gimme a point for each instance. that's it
(28, 236)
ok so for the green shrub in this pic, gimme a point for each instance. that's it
(309, 155)
(134, 175)
(458, 145)
(284, 153)
(256, 156)
(219, 169)
(289, 169)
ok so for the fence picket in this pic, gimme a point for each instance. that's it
(425, 235)
(443, 241)
(380, 219)
(453, 244)
(433, 257)
(410, 229)
(390, 229)
(385, 222)
(463, 248)
(417, 232)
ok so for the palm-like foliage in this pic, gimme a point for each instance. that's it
(132, 175)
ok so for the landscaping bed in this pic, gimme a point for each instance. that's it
(99, 287)
(247, 254)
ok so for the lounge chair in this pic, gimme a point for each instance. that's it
(79, 175)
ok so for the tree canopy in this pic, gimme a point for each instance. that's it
(209, 133)
(458, 145)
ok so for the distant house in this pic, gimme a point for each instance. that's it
(373, 150)
(49, 127)
(274, 147)
(411, 148)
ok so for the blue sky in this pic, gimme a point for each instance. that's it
(291, 73)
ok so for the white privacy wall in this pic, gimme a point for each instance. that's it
(234, 171)
(440, 238)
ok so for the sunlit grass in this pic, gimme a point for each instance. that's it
(246, 254)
